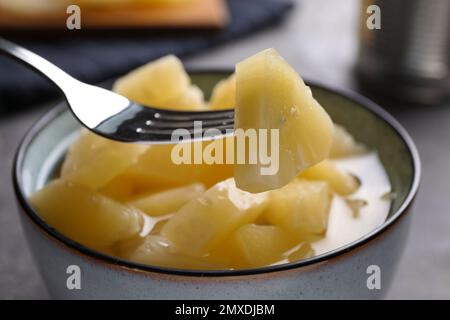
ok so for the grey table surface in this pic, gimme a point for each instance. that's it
(319, 39)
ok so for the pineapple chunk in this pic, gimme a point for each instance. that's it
(161, 83)
(271, 95)
(86, 216)
(191, 99)
(256, 246)
(158, 251)
(224, 94)
(93, 161)
(301, 208)
(168, 201)
(344, 145)
(156, 230)
(340, 181)
(125, 247)
(125, 187)
(156, 165)
(205, 221)
(302, 251)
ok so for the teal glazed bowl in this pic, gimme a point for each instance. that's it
(338, 274)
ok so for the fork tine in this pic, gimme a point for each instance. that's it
(168, 132)
(158, 121)
(162, 123)
(171, 115)
(190, 122)
(145, 124)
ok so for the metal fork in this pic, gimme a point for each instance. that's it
(115, 117)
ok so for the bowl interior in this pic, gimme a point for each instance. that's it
(47, 142)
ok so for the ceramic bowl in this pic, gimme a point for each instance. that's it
(342, 273)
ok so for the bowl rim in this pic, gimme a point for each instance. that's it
(354, 97)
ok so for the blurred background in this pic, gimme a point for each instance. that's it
(404, 66)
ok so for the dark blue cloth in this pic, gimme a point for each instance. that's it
(96, 58)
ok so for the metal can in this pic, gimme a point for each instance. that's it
(408, 58)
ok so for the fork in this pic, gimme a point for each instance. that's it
(115, 117)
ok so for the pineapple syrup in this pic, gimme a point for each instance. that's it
(357, 215)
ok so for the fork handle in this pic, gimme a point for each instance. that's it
(60, 78)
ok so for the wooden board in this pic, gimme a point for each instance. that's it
(196, 14)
